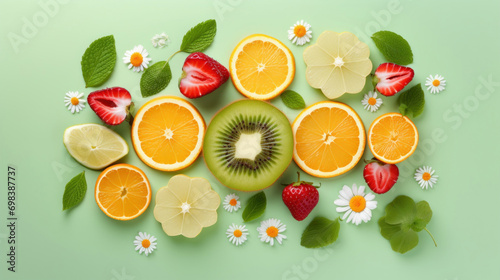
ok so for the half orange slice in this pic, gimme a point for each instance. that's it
(167, 133)
(329, 139)
(122, 191)
(261, 67)
(392, 138)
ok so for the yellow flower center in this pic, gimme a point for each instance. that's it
(426, 176)
(299, 31)
(233, 202)
(237, 233)
(357, 203)
(75, 101)
(372, 101)
(146, 243)
(136, 59)
(272, 231)
(436, 83)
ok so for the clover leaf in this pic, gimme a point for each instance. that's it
(403, 220)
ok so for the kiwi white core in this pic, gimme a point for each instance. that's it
(248, 146)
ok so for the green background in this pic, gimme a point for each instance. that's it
(459, 136)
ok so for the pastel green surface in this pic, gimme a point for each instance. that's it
(459, 136)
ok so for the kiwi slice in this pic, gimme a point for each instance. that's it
(248, 145)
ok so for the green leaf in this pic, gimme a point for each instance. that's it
(401, 210)
(293, 100)
(320, 233)
(98, 61)
(423, 217)
(75, 191)
(388, 230)
(412, 101)
(403, 220)
(199, 37)
(403, 242)
(394, 47)
(256, 206)
(155, 79)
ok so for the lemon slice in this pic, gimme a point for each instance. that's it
(338, 63)
(93, 145)
(186, 205)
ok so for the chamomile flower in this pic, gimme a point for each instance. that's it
(371, 102)
(160, 40)
(425, 177)
(237, 234)
(435, 84)
(271, 230)
(299, 33)
(137, 58)
(231, 203)
(74, 101)
(145, 243)
(356, 204)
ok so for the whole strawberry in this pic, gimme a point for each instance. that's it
(300, 198)
(380, 176)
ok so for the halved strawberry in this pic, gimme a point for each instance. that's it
(391, 78)
(379, 176)
(201, 75)
(111, 105)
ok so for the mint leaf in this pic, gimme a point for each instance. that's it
(402, 210)
(320, 233)
(199, 37)
(293, 100)
(388, 230)
(412, 101)
(424, 215)
(155, 79)
(394, 47)
(403, 242)
(98, 61)
(75, 191)
(256, 206)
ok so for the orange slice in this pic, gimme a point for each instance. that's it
(261, 67)
(392, 138)
(167, 133)
(329, 139)
(122, 191)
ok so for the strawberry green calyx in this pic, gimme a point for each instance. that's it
(374, 160)
(299, 182)
(130, 118)
(375, 81)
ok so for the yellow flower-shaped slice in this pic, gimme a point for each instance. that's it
(338, 63)
(186, 205)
